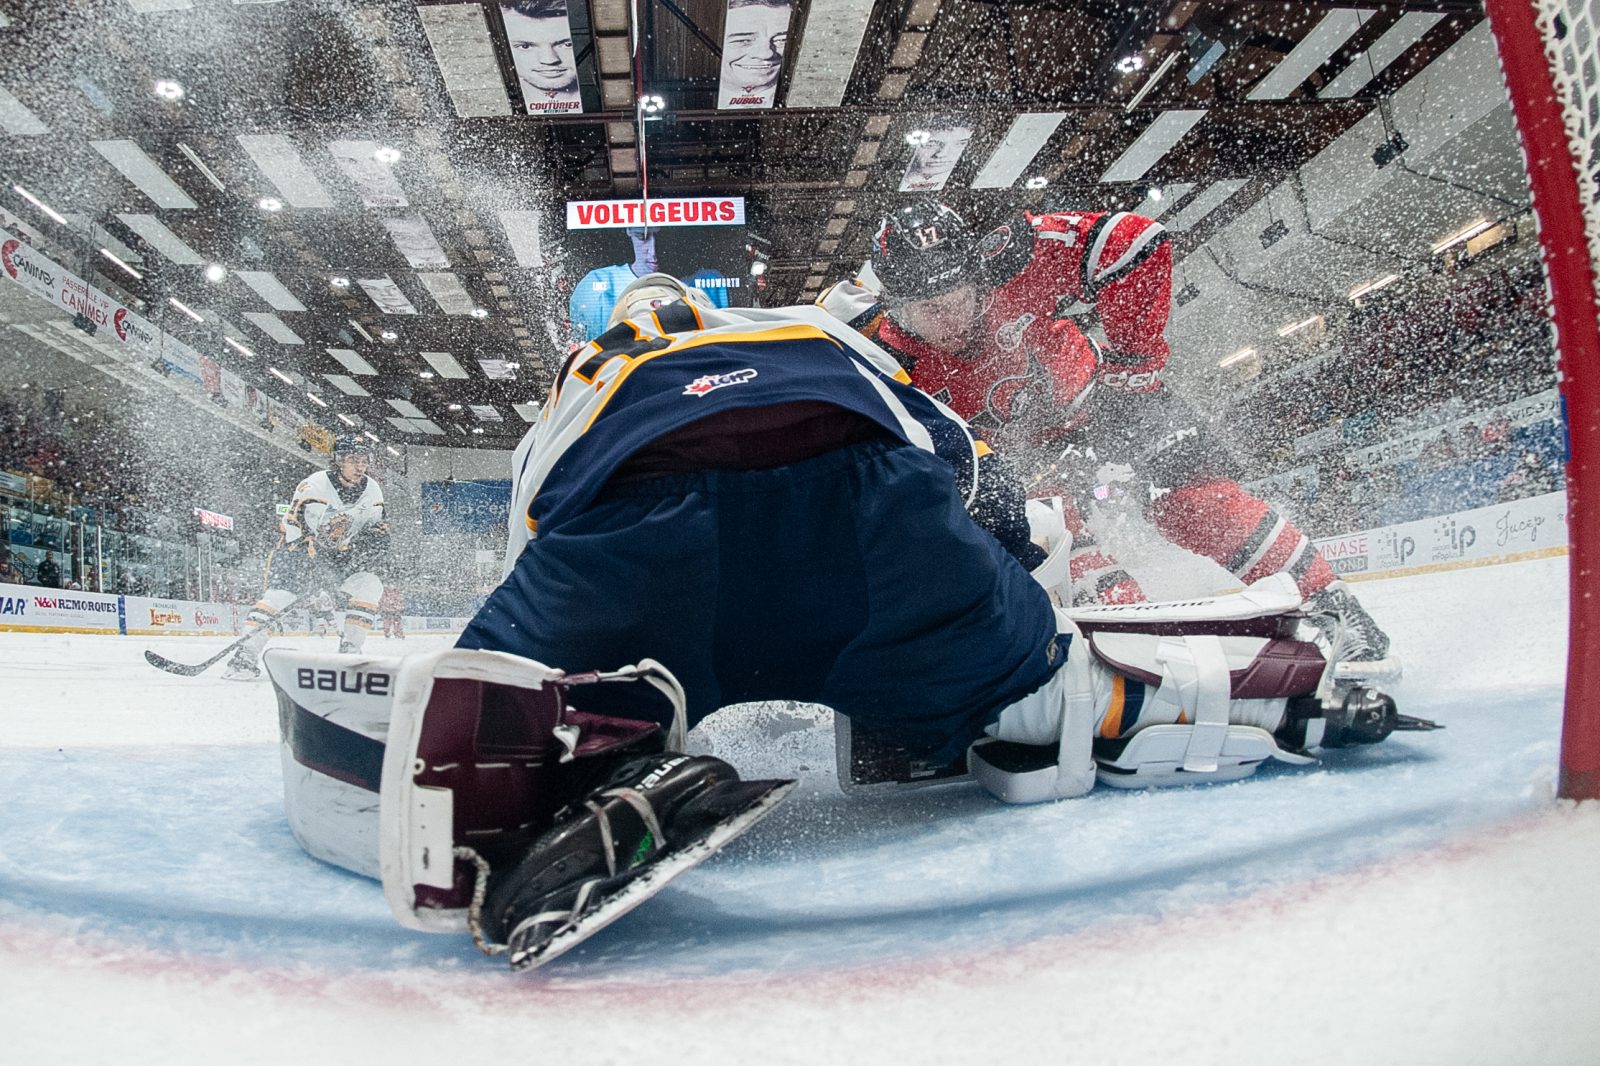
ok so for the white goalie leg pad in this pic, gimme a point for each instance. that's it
(333, 716)
(1273, 594)
(1064, 713)
(1195, 684)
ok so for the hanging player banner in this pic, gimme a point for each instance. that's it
(935, 158)
(754, 38)
(213, 519)
(387, 295)
(679, 211)
(540, 37)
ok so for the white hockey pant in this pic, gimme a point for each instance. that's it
(362, 590)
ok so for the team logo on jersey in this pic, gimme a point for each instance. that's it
(712, 382)
(1009, 336)
(994, 242)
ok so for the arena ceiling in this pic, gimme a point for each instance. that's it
(1068, 105)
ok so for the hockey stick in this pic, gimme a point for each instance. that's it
(161, 662)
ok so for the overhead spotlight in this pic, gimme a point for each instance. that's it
(1237, 357)
(373, 437)
(280, 375)
(389, 335)
(1038, 181)
(477, 429)
(318, 400)
(1154, 193)
(652, 104)
(918, 138)
(390, 449)
(339, 282)
(270, 203)
(236, 346)
(513, 366)
(455, 407)
(169, 90)
(216, 272)
(426, 375)
(1373, 286)
(1129, 64)
(758, 268)
(479, 312)
(386, 154)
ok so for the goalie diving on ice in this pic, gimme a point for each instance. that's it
(737, 505)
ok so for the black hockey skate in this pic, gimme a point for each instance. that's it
(652, 819)
(1356, 716)
(1356, 648)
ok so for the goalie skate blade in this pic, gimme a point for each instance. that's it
(651, 881)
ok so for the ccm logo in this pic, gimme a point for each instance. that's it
(1122, 379)
(343, 681)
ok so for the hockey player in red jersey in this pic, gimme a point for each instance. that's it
(987, 325)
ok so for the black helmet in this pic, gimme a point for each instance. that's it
(350, 444)
(923, 249)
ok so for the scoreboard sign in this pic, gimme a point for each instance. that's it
(674, 211)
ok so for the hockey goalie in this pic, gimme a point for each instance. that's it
(724, 506)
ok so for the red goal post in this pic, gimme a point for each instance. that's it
(1548, 55)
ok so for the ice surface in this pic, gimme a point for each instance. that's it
(1424, 900)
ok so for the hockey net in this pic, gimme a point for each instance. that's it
(1548, 54)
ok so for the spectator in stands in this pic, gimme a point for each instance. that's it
(9, 574)
(1531, 477)
(48, 574)
(392, 605)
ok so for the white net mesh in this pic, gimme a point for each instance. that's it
(1571, 31)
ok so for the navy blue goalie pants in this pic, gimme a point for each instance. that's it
(854, 579)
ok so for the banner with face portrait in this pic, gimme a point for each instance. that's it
(935, 158)
(754, 39)
(540, 37)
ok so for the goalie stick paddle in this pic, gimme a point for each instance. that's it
(161, 662)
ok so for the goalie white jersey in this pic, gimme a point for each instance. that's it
(334, 518)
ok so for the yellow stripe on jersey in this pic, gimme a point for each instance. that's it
(700, 340)
(1111, 725)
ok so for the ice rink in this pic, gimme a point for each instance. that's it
(1423, 900)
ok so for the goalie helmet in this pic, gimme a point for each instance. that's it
(653, 291)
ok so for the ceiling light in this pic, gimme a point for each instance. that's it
(168, 89)
(758, 268)
(1296, 327)
(318, 400)
(107, 253)
(236, 346)
(270, 203)
(280, 375)
(346, 419)
(180, 305)
(386, 154)
(358, 328)
(478, 312)
(426, 375)
(389, 335)
(339, 282)
(477, 429)
(390, 449)
(1154, 193)
(917, 138)
(1038, 182)
(652, 104)
(40, 204)
(1373, 286)
(370, 436)
(216, 272)
(1466, 232)
(455, 407)
(513, 366)
(1129, 64)
(1238, 356)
